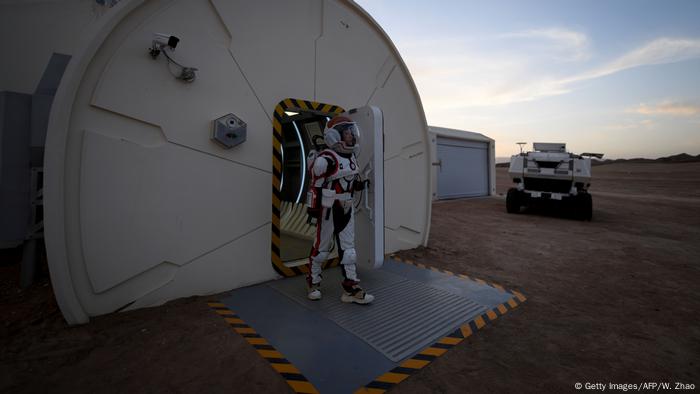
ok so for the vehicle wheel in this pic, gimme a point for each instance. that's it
(587, 207)
(583, 206)
(513, 201)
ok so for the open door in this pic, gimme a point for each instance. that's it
(369, 212)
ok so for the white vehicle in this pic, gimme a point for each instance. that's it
(548, 173)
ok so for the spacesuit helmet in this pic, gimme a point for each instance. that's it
(342, 135)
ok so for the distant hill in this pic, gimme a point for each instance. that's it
(679, 158)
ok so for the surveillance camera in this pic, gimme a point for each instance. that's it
(162, 40)
(160, 43)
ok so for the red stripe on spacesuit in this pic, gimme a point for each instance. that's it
(335, 161)
(314, 248)
(338, 187)
(317, 243)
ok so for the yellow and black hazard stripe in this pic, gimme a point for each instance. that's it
(279, 363)
(414, 364)
(278, 119)
(417, 362)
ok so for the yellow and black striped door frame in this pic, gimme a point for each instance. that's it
(278, 118)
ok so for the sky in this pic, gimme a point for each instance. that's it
(620, 77)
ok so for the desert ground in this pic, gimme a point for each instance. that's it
(613, 300)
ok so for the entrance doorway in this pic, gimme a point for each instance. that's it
(296, 125)
(297, 129)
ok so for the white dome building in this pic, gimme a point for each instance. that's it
(143, 206)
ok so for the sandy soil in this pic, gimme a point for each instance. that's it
(611, 300)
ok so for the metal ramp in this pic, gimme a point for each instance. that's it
(405, 317)
(340, 348)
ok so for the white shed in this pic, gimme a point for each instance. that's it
(143, 206)
(464, 165)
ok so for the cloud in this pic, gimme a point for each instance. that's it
(659, 51)
(454, 72)
(458, 73)
(669, 108)
(561, 44)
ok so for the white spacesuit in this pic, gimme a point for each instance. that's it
(335, 178)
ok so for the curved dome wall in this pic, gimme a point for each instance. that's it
(142, 207)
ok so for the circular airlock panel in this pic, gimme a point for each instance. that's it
(228, 131)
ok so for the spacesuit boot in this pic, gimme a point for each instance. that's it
(314, 292)
(355, 293)
(313, 285)
(351, 285)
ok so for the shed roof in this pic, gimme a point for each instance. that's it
(460, 134)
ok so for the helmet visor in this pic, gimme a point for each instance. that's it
(349, 133)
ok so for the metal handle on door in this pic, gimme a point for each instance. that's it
(367, 171)
(367, 207)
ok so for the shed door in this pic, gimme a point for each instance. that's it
(463, 171)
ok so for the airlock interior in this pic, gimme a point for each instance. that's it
(302, 131)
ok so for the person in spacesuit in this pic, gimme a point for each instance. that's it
(335, 179)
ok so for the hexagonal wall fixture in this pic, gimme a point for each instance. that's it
(229, 131)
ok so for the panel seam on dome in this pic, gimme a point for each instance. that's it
(240, 69)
